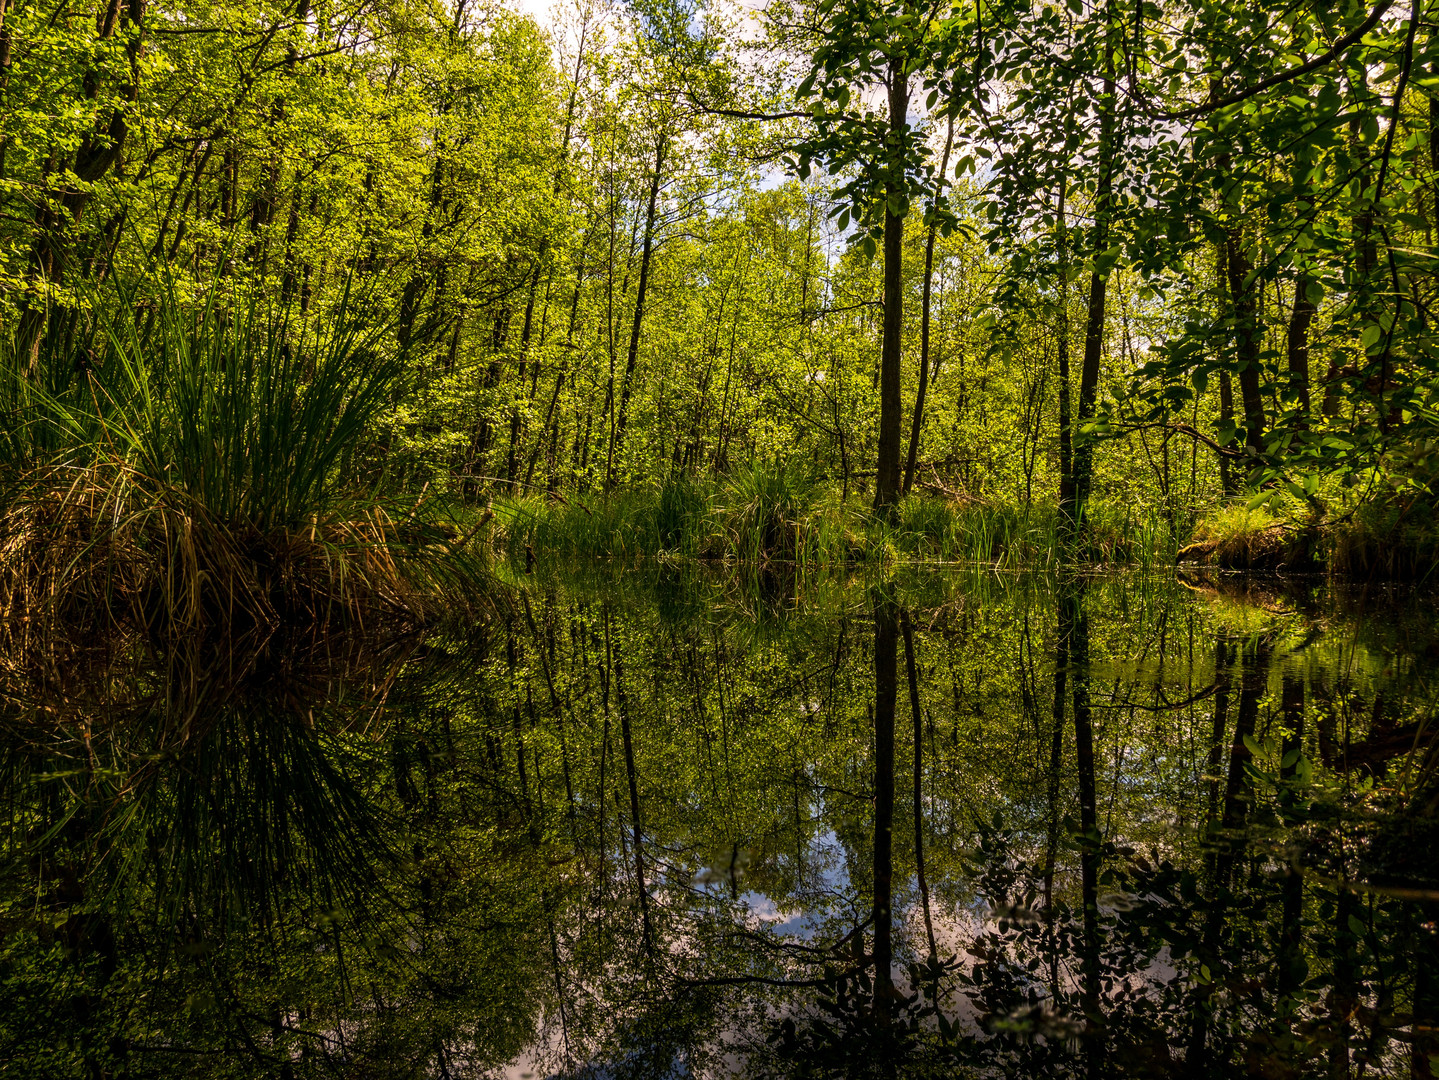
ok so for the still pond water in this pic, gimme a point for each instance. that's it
(654, 824)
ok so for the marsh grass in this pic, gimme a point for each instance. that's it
(179, 465)
(764, 516)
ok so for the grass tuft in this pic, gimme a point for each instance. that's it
(186, 466)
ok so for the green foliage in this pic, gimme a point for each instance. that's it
(253, 415)
(482, 198)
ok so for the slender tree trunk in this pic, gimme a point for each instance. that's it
(1297, 344)
(1066, 420)
(1099, 278)
(646, 252)
(891, 406)
(1246, 338)
(512, 464)
(917, 421)
(61, 207)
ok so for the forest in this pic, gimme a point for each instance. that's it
(829, 281)
(807, 539)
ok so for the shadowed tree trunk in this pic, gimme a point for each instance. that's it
(61, 207)
(1066, 419)
(1297, 344)
(1246, 338)
(1098, 281)
(887, 468)
(917, 421)
(637, 324)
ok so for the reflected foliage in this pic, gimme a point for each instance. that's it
(662, 825)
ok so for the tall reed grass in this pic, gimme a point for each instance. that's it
(186, 464)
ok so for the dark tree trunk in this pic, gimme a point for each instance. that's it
(408, 333)
(917, 421)
(1297, 344)
(61, 207)
(1227, 482)
(526, 331)
(1061, 333)
(887, 468)
(1246, 339)
(1098, 280)
(641, 291)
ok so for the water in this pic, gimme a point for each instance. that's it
(660, 824)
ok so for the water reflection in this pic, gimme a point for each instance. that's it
(935, 827)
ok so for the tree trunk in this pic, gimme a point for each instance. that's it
(917, 420)
(1227, 482)
(646, 253)
(526, 331)
(61, 208)
(1246, 339)
(1098, 279)
(418, 282)
(887, 469)
(1061, 333)
(1297, 345)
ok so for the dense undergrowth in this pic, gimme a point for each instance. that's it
(762, 515)
(1390, 532)
(179, 467)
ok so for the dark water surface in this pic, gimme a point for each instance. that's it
(653, 824)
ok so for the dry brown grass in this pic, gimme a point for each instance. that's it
(99, 548)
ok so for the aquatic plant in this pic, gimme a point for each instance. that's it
(179, 464)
